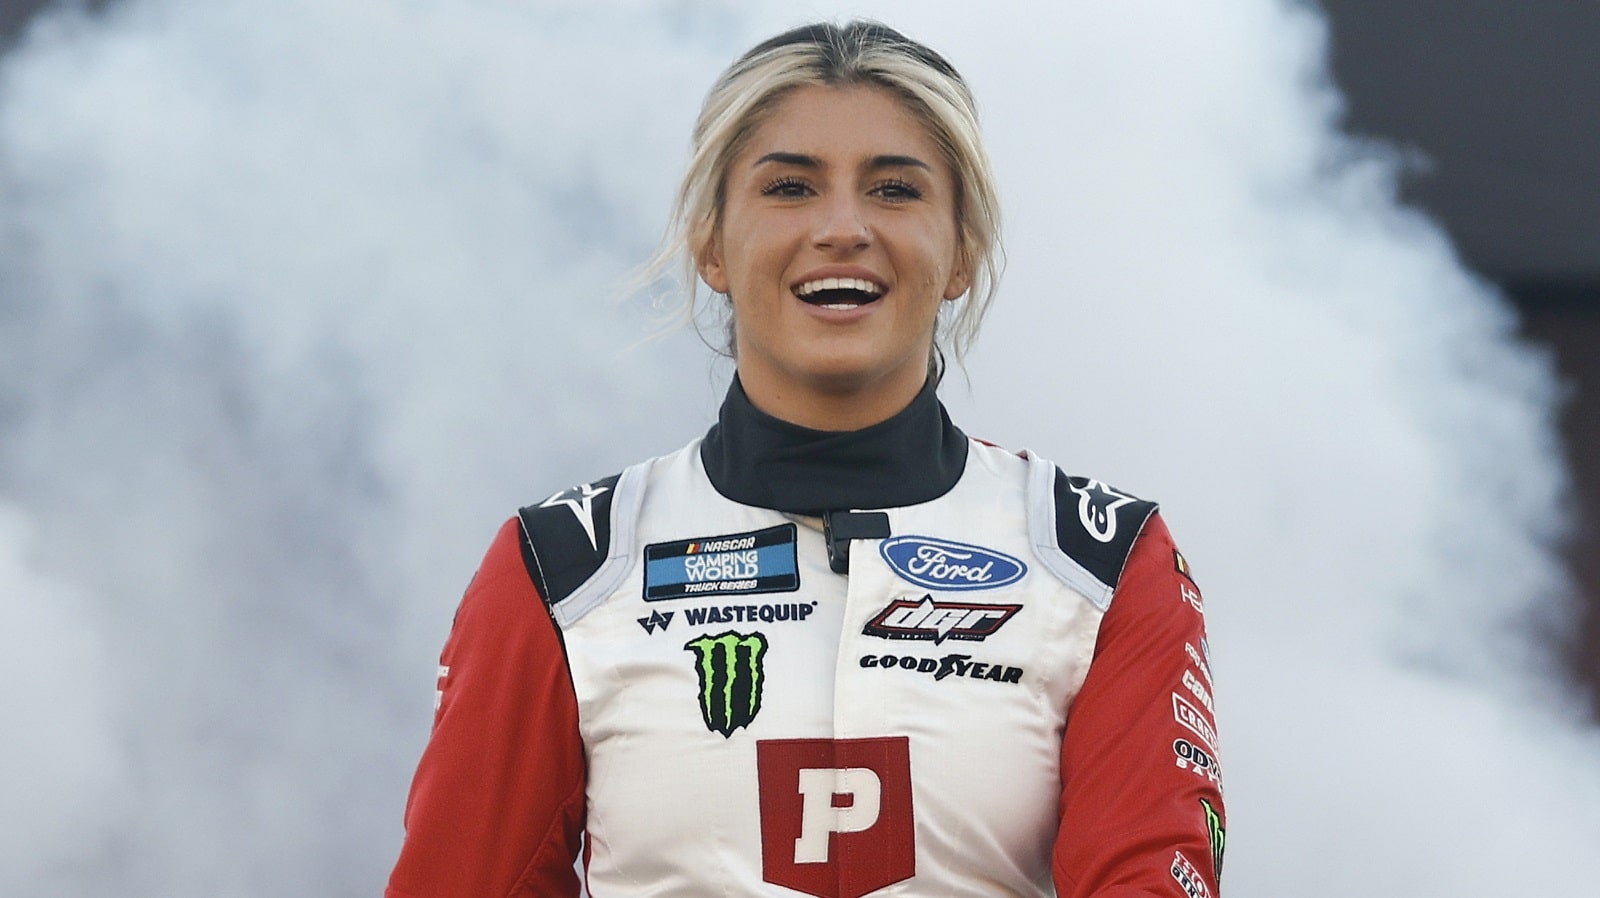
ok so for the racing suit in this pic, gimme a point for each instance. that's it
(889, 662)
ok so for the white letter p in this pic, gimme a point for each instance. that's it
(819, 817)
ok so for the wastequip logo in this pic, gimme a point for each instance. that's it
(945, 565)
(731, 676)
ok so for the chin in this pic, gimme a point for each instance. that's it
(847, 378)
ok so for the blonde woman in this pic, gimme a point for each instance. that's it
(835, 647)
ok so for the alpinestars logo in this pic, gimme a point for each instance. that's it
(731, 677)
(580, 500)
(938, 621)
(1097, 508)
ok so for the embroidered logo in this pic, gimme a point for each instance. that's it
(1197, 760)
(580, 499)
(1191, 718)
(951, 665)
(1181, 565)
(837, 818)
(1218, 835)
(938, 621)
(1188, 878)
(733, 565)
(656, 619)
(1097, 508)
(731, 677)
(945, 565)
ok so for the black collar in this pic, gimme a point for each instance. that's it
(756, 459)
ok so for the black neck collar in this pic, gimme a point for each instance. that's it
(756, 459)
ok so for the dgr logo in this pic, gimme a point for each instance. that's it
(836, 816)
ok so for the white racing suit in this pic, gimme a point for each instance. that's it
(1001, 689)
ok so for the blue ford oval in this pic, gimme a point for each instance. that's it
(946, 565)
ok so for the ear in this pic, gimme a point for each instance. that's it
(709, 264)
(959, 281)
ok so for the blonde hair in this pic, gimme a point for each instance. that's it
(855, 54)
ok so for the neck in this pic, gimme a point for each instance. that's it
(912, 456)
(825, 407)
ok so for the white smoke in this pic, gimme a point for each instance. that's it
(301, 298)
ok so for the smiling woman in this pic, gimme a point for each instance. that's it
(834, 646)
(838, 243)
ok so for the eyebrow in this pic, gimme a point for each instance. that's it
(802, 160)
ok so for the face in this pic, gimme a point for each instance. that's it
(837, 244)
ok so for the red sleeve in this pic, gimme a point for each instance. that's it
(496, 808)
(1141, 799)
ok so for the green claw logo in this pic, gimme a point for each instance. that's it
(1219, 836)
(731, 677)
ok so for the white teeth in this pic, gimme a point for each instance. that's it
(810, 287)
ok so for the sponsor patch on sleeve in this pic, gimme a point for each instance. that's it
(1217, 835)
(1190, 717)
(737, 564)
(1181, 564)
(1188, 877)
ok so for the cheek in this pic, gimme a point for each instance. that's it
(747, 260)
(940, 266)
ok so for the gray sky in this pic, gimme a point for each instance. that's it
(300, 299)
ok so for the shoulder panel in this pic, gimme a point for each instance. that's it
(1083, 529)
(1096, 525)
(567, 537)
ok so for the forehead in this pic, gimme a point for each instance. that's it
(842, 124)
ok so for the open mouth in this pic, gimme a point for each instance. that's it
(840, 294)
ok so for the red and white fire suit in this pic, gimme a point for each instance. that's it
(951, 670)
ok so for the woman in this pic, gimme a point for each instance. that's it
(835, 648)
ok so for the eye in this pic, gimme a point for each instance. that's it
(788, 187)
(896, 190)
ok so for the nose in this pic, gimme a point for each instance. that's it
(842, 224)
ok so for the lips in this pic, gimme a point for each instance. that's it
(839, 293)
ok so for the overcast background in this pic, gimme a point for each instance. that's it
(298, 300)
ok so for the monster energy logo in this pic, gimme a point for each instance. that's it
(1219, 836)
(730, 678)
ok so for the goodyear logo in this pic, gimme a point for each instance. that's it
(945, 565)
(736, 564)
(731, 676)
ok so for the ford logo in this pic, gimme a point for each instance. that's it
(942, 564)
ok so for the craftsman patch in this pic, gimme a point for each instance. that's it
(737, 564)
